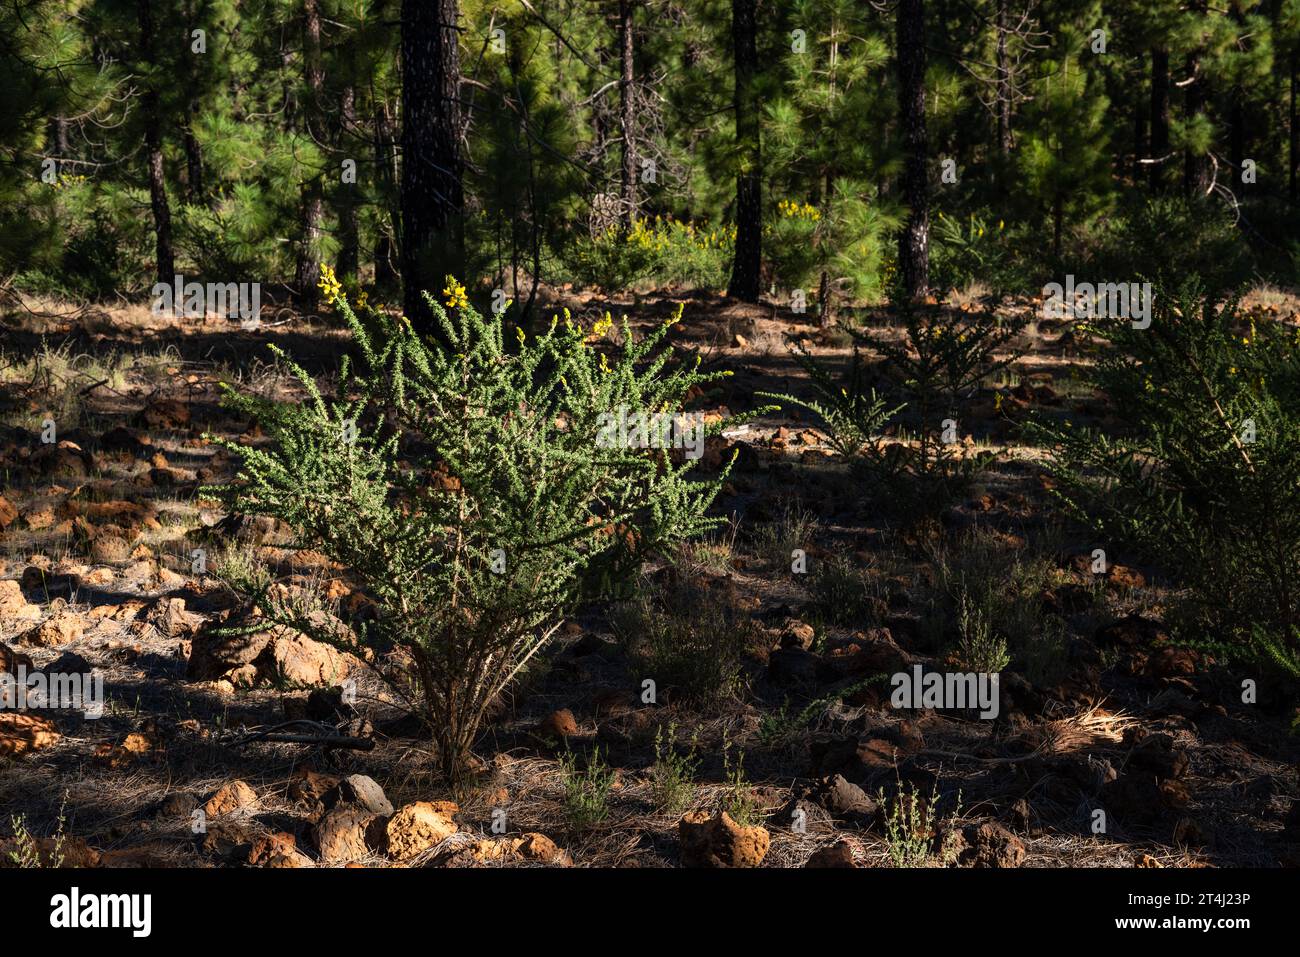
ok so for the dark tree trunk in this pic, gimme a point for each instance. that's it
(1196, 166)
(385, 132)
(193, 159)
(1294, 140)
(914, 242)
(1159, 115)
(1237, 133)
(346, 207)
(58, 137)
(1004, 83)
(432, 193)
(747, 260)
(627, 116)
(313, 205)
(1139, 139)
(151, 110)
(194, 192)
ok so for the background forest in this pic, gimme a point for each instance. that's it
(639, 403)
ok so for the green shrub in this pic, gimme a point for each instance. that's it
(465, 490)
(672, 780)
(586, 790)
(738, 797)
(686, 641)
(845, 593)
(972, 251)
(1165, 239)
(942, 360)
(917, 836)
(659, 251)
(1204, 475)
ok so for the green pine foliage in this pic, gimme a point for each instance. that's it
(1205, 475)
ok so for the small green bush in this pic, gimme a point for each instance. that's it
(1204, 474)
(465, 489)
(586, 790)
(686, 641)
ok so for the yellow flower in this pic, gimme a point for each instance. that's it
(601, 326)
(455, 293)
(604, 364)
(328, 283)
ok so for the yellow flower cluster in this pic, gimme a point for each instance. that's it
(600, 328)
(792, 210)
(662, 233)
(64, 182)
(328, 283)
(455, 294)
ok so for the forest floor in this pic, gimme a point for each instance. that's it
(98, 533)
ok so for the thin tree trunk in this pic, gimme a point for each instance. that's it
(1139, 138)
(346, 207)
(1159, 115)
(385, 132)
(748, 253)
(914, 242)
(1196, 172)
(164, 255)
(432, 193)
(1004, 83)
(627, 114)
(313, 205)
(1294, 141)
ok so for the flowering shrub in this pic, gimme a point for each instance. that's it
(663, 251)
(465, 491)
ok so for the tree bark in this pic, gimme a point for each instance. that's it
(627, 115)
(1159, 115)
(1294, 140)
(346, 207)
(151, 110)
(432, 167)
(1004, 83)
(914, 242)
(1196, 167)
(307, 270)
(385, 135)
(748, 253)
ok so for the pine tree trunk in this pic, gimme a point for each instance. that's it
(151, 109)
(385, 132)
(747, 258)
(1139, 138)
(914, 242)
(1294, 141)
(1159, 115)
(432, 192)
(193, 151)
(346, 207)
(1004, 84)
(1196, 167)
(627, 180)
(193, 159)
(307, 271)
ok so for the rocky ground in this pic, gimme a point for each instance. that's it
(107, 564)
